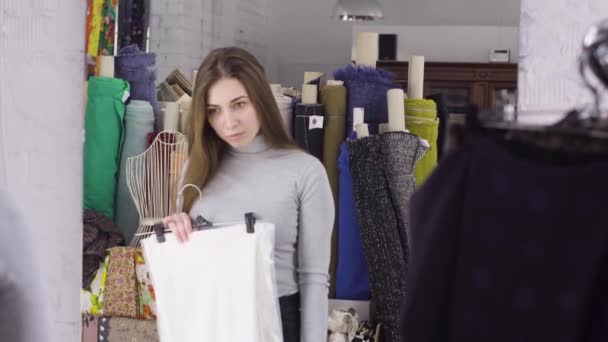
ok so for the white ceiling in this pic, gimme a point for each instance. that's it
(417, 12)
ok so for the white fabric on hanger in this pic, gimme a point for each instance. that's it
(219, 286)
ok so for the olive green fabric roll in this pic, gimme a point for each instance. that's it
(421, 119)
(333, 99)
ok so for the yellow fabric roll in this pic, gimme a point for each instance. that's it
(421, 119)
(95, 28)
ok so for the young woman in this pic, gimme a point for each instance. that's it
(244, 161)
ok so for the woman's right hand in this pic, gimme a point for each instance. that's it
(180, 225)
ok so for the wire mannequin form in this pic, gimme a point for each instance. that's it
(152, 179)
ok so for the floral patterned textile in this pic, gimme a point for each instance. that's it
(147, 299)
(91, 299)
(120, 295)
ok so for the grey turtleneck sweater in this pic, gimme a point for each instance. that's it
(290, 189)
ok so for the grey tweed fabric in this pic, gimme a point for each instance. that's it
(379, 233)
(401, 151)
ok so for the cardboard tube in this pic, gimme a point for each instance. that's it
(170, 115)
(194, 74)
(383, 128)
(367, 48)
(106, 66)
(362, 130)
(358, 117)
(309, 93)
(312, 75)
(276, 88)
(396, 110)
(334, 83)
(415, 79)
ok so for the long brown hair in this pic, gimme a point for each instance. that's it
(206, 147)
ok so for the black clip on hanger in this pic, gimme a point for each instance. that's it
(201, 223)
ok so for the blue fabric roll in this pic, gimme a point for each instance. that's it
(139, 119)
(352, 279)
(139, 69)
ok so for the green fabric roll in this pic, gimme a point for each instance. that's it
(421, 119)
(103, 140)
(333, 99)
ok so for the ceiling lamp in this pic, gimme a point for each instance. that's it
(357, 10)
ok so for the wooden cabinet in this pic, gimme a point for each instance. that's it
(461, 83)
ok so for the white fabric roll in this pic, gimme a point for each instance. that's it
(312, 75)
(415, 79)
(396, 110)
(358, 117)
(362, 130)
(106, 66)
(367, 48)
(309, 93)
(169, 112)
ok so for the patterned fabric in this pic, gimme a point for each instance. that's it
(120, 296)
(99, 234)
(106, 39)
(91, 299)
(147, 298)
(379, 232)
(94, 26)
(131, 330)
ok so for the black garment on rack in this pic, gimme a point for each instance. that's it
(508, 248)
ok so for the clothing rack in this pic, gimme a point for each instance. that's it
(201, 223)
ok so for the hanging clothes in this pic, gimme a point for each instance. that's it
(309, 128)
(421, 120)
(333, 99)
(103, 140)
(139, 121)
(352, 278)
(219, 286)
(508, 247)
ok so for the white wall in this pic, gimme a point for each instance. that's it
(449, 43)
(41, 118)
(551, 37)
(182, 32)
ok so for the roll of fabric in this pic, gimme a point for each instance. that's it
(400, 152)
(333, 99)
(103, 140)
(442, 115)
(285, 107)
(120, 295)
(128, 329)
(352, 278)
(139, 121)
(379, 232)
(309, 128)
(106, 39)
(185, 114)
(94, 26)
(366, 88)
(139, 68)
(421, 120)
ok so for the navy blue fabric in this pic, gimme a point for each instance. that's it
(352, 279)
(507, 248)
